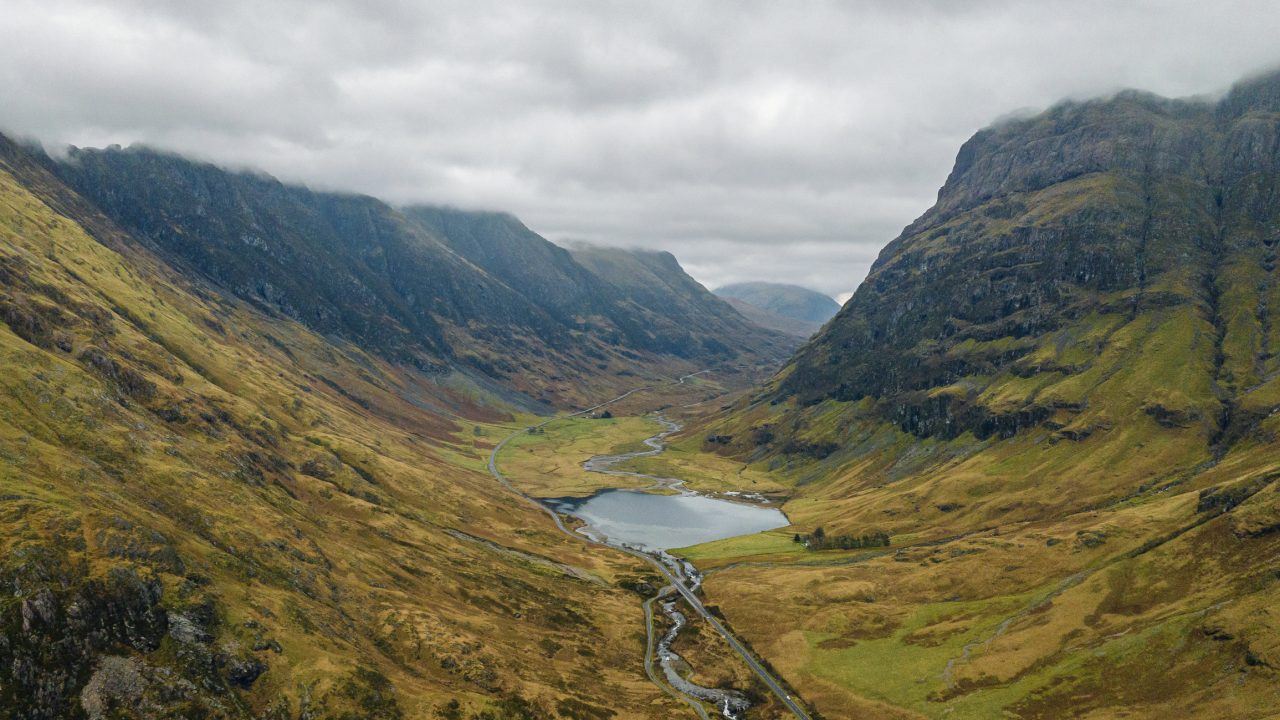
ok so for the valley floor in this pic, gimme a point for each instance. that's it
(550, 459)
(1135, 610)
(209, 511)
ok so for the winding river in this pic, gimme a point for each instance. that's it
(653, 523)
(683, 579)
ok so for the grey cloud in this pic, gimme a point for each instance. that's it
(756, 140)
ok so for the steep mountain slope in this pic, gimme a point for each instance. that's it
(1056, 392)
(675, 309)
(1132, 218)
(598, 298)
(788, 301)
(525, 261)
(353, 267)
(209, 510)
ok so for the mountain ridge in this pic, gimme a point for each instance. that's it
(1135, 190)
(411, 284)
(1057, 397)
(669, 315)
(212, 510)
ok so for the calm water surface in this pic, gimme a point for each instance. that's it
(661, 522)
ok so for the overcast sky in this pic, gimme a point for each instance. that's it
(784, 141)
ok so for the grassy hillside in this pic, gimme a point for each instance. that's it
(1056, 394)
(209, 511)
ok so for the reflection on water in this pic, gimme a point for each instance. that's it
(660, 522)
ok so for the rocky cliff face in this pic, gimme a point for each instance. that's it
(504, 248)
(1134, 220)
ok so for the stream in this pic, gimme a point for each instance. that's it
(643, 521)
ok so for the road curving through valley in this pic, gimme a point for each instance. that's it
(671, 569)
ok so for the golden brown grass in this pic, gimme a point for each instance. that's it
(302, 483)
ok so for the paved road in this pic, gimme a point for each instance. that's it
(765, 676)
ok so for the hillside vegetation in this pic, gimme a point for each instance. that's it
(441, 290)
(210, 510)
(1032, 465)
(1056, 392)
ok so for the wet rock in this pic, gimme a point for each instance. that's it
(1217, 633)
(129, 687)
(53, 640)
(1223, 499)
(128, 381)
(125, 540)
(321, 468)
(1171, 417)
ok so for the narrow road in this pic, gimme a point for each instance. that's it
(756, 667)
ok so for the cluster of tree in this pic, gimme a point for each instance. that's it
(819, 540)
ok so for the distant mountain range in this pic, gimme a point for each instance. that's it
(791, 309)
